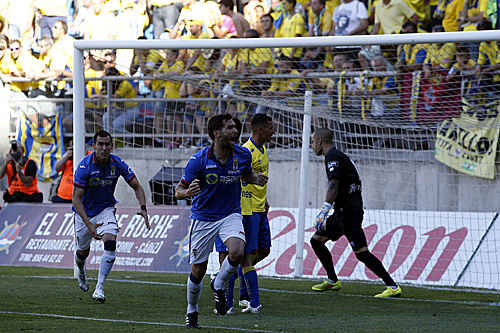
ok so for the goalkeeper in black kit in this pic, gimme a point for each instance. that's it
(344, 193)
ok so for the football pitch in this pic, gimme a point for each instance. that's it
(48, 300)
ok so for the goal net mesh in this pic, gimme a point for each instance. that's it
(419, 120)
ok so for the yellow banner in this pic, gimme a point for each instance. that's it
(469, 143)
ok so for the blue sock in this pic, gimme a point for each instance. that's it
(253, 285)
(230, 291)
(243, 285)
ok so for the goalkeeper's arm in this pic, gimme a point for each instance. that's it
(331, 195)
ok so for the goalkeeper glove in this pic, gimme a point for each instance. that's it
(321, 217)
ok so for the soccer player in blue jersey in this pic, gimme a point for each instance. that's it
(213, 176)
(254, 208)
(94, 204)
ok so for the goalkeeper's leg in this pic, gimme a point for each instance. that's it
(324, 256)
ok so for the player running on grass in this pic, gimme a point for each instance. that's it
(94, 204)
(213, 176)
(344, 192)
(254, 208)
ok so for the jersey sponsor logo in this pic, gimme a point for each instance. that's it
(354, 188)
(96, 181)
(211, 178)
(332, 165)
(211, 166)
(246, 194)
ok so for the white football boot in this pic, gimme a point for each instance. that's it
(98, 295)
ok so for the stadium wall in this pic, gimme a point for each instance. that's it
(421, 184)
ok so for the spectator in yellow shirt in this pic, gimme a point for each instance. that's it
(290, 24)
(390, 16)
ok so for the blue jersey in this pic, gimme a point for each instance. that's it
(99, 182)
(220, 184)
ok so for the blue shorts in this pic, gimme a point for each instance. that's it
(257, 232)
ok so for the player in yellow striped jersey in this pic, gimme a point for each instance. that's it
(254, 208)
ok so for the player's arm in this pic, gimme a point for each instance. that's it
(255, 178)
(185, 190)
(331, 195)
(78, 204)
(141, 198)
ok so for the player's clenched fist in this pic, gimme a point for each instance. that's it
(322, 215)
(194, 188)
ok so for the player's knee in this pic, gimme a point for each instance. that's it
(316, 243)
(110, 245)
(363, 256)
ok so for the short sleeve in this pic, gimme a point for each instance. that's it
(124, 170)
(247, 162)
(81, 174)
(333, 167)
(192, 170)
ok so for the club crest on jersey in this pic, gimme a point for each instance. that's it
(235, 164)
(112, 172)
(332, 165)
(10, 234)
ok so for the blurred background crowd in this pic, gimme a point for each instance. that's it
(36, 57)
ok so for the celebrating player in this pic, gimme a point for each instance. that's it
(213, 176)
(93, 202)
(344, 192)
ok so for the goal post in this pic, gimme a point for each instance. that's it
(400, 128)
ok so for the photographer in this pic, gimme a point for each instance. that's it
(21, 176)
(64, 192)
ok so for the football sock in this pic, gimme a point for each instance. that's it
(230, 291)
(243, 285)
(80, 261)
(193, 293)
(372, 262)
(253, 285)
(107, 261)
(325, 258)
(226, 270)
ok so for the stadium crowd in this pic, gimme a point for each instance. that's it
(36, 44)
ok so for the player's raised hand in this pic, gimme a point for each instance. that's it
(322, 215)
(194, 188)
(144, 214)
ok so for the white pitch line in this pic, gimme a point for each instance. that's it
(155, 323)
(280, 291)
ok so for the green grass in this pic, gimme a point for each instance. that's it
(288, 306)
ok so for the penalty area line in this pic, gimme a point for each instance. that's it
(124, 321)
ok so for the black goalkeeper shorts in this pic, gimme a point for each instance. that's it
(346, 223)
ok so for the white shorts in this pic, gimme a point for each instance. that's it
(202, 235)
(109, 226)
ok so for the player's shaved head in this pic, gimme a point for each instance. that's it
(324, 134)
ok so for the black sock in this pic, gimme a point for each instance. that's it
(325, 257)
(194, 279)
(372, 262)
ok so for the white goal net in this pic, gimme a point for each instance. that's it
(418, 113)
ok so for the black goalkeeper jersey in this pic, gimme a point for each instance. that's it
(340, 166)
